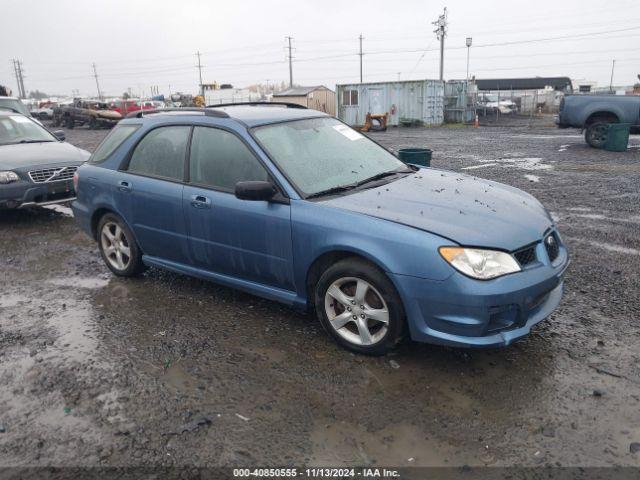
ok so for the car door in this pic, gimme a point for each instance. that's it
(150, 188)
(250, 240)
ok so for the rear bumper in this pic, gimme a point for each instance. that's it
(82, 217)
(464, 312)
(27, 194)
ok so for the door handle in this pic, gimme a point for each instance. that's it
(124, 186)
(200, 201)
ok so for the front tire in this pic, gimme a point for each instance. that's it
(118, 247)
(359, 307)
(596, 134)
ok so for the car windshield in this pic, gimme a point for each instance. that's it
(323, 154)
(20, 129)
(13, 105)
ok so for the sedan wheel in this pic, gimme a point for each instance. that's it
(118, 247)
(356, 311)
(359, 307)
(115, 246)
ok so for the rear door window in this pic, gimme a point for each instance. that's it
(161, 153)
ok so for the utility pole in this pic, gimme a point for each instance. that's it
(95, 74)
(290, 63)
(200, 74)
(469, 43)
(613, 66)
(361, 54)
(17, 68)
(24, 92)
(441, 32)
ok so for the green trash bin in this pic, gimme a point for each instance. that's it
(416, 156)
(617, 137)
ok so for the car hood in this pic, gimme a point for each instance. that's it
(26, 155)
(468, 210)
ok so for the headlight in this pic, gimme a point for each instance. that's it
(480, 264)
(8, 177)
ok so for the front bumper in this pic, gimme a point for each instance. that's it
(464, 312)
(22, 193)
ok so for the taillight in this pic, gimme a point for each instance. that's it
(75, 182)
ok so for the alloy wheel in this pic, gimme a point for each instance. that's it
(115, 245)
(356, 311)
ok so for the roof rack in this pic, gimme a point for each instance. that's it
(10, 109)
(260, 104)
(208, 112)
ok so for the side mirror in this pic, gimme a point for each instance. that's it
(60, 135)
(255, 190)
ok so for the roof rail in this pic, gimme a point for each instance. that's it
(260, 104)
(207, 112)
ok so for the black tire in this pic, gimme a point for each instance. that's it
(596, 134)
(93, 123)
(69, 123)
(351, 270)
(134, 265)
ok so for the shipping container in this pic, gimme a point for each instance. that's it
(318, 98)
(411, 102)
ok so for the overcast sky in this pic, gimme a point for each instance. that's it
(139, 43)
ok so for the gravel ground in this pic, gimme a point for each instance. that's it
(169, 370)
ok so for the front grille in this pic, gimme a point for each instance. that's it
(56, 174)
(526, 255)
(552, 246)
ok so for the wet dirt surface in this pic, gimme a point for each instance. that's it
(169, 370)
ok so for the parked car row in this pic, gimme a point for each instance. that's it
(292, 205)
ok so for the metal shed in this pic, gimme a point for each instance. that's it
(406, 102)
(319, 98)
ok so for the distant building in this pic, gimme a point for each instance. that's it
(584, 86)
(407, 102)
(562, 84)
(318, 98)
(230, 95)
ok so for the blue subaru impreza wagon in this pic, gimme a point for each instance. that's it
(292, 205)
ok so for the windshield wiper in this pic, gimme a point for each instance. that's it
(332, 190)
(382, 175)
(351, 186)
(34, 141)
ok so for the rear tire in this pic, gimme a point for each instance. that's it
(118, 247)
(359, 307)
(596, 134)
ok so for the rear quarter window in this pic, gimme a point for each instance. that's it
(112, 141)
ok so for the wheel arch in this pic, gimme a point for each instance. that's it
(328, 258)
(593, 117)
(100, 212)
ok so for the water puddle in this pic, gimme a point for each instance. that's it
(8, 300)
(80, 282)
(474, 167)
(396, 445)
(66, 211)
